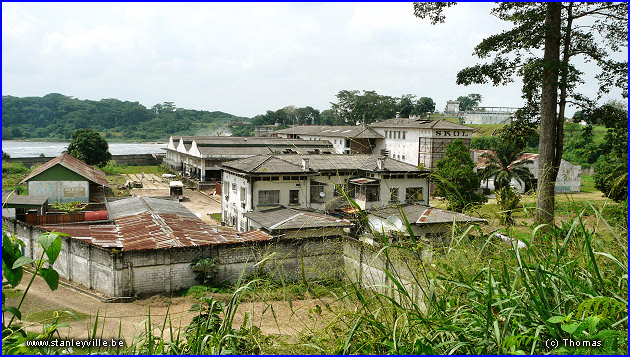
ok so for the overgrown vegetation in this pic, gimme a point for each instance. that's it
(456, 179)
(69, 207)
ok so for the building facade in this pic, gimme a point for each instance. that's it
(420, 142)
(317, 182)
(67, 179)
(489, 115)
(345, 139)
(201, 156)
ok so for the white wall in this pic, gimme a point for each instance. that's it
(337, 142)
(405, 150)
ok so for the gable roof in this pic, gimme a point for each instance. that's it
(288, 218)
(348, 131)
(421, 214)
(419, 123)
(75, 165)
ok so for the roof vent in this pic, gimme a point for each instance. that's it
(305, 164)
(380, 163)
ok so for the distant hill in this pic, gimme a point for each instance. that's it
(55, 116)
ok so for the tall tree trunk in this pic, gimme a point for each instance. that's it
(564, 82)
(548, 118)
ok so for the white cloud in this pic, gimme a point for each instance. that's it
(242, 58)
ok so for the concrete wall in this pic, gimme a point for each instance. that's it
(365, 264)
(133, 159)
(62, 191)
(120, 274)
(487, 118)
(81, 262)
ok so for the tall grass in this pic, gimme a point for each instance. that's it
(483, 296)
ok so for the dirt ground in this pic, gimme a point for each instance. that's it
(201, 204)
(131, 317)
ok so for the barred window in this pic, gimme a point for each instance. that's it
(268, 197)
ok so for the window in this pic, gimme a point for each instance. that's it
(268, 197)
(233, 187)
(393, 194)
(404, 134)
(414, 194)
(399, 135)
(403, 157)
(294, 197)
(243, 197)
(317, 192)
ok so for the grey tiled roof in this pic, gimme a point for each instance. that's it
(357, 132)
(321, 162)
(419, 123)
(421, 214)
(288, 218)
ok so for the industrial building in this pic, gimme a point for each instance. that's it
(201, 157)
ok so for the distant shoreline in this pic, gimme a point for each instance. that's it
(67, 141)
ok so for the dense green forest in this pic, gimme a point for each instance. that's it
(56, 116)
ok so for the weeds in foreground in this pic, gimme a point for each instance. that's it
(476, 295)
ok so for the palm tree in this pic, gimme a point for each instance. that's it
(503, 165)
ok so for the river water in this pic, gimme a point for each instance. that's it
(16, 148)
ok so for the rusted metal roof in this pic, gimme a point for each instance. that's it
(145, 228)
(72, 164)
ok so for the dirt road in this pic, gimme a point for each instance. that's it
(277, 317)
(200, 204)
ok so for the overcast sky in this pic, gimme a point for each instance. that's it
(244, 58)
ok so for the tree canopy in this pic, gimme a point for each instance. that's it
(456, 178)
(90, 147)
(470, 101)
(57, 116)
(541, 48)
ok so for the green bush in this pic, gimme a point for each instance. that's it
(611, 176)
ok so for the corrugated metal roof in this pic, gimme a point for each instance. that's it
(318, 162)
(288, 218)
(72, 164)
(356, 132)
(419, 123)
(136, 205)
(15, 199)
(421, 214)
(143, 223)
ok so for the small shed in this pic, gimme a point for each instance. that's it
(16, 206)
(67, 179)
